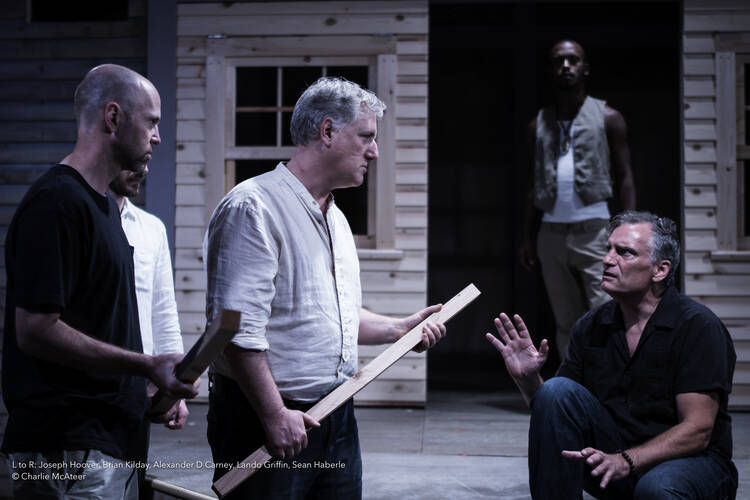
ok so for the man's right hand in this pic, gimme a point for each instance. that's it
(162, 374)
(287, 432)
(522, 359)
(526, 254)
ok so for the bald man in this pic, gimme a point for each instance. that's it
(74, 374)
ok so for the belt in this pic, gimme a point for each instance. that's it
(583, 226)
(223, 386)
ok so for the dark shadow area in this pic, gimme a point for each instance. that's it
(487, 81)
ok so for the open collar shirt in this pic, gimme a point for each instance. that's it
(684, 348)
(154, 286)
(293, 273)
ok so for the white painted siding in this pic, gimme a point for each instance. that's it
(720, 281)
(390, 285)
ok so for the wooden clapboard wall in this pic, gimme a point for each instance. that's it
(394, 281)
(41, 64)
(715, 273)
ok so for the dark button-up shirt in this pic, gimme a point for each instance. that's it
(684, 348)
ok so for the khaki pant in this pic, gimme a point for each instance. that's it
(571, 258)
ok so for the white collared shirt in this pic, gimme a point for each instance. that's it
(293, 273)
(154, 287)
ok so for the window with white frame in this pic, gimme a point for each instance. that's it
(261, 93)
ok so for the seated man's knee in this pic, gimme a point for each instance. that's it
(655, 487)
(554, 392)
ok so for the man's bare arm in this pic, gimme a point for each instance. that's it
(617, 137)
(696, 413)
(378, 329)
(46, 336)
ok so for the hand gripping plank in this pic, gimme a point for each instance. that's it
(195, 362)
(232, 479)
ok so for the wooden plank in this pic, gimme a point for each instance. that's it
(313, 24)
(21, 174)
(348, 389)
(191, 152)
(164, 490)
(700, 196)
(12, 194)
(407, 368)
(700, 107)
(703, 130)
(190, 194)
(726, 307)
(191, 173)
(698, 43)
(412, 260)
(698, 64)
(407, 219)
(132, 28)
(297, 8)
(385, 173)
(190, 300)
(38, 111)
(310, 45)
(191, 88)
(718, 285)
(700, 173)
(191, 109)
(412, 47)
(716, 21)
(188, 258)
(411, 110)
(733, 42)
(411, 133)
(393, 281)
(56, 69)
(100, 48)
(190, 216)
(188, 237)
(411, 177)
(34, 152)
(726, 150)
(12, 131)
(700, 240)
(190, 130)
(196, 361)
(700, 218)
(393, 392)
(411, 155)
(192, 324)
(701, 263)
(700, 151)
(411, 199)
(699, 86)
(190, 280)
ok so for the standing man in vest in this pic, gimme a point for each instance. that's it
(579, 145)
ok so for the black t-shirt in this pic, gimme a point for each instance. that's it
(684, 348)
(66, 251)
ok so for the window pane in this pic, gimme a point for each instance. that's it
(353, 202)
(356, 74)
(256, 86)
(286, 121)
(295, 79)
(245, 169)
(255, 129)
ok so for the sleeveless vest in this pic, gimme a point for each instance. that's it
(591, 175)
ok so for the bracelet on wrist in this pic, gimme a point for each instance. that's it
(629, 461)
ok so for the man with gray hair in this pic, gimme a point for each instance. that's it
(638, 408)
(280, 251)
(74, 372)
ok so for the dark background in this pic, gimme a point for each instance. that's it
(487, 81)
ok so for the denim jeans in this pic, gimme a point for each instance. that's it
(566, 416)
(330, 467)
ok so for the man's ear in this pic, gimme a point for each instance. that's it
(325, 131)
(112, 116)
(662, 271)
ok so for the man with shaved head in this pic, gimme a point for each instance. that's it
(578, 144)
(74, 373)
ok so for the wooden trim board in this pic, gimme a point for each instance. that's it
(205, 350)
(348, 389)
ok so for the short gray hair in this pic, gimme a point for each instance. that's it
(330, 97)
(664, 242)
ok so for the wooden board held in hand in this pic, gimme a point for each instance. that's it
(206, 349)
(348, 389)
